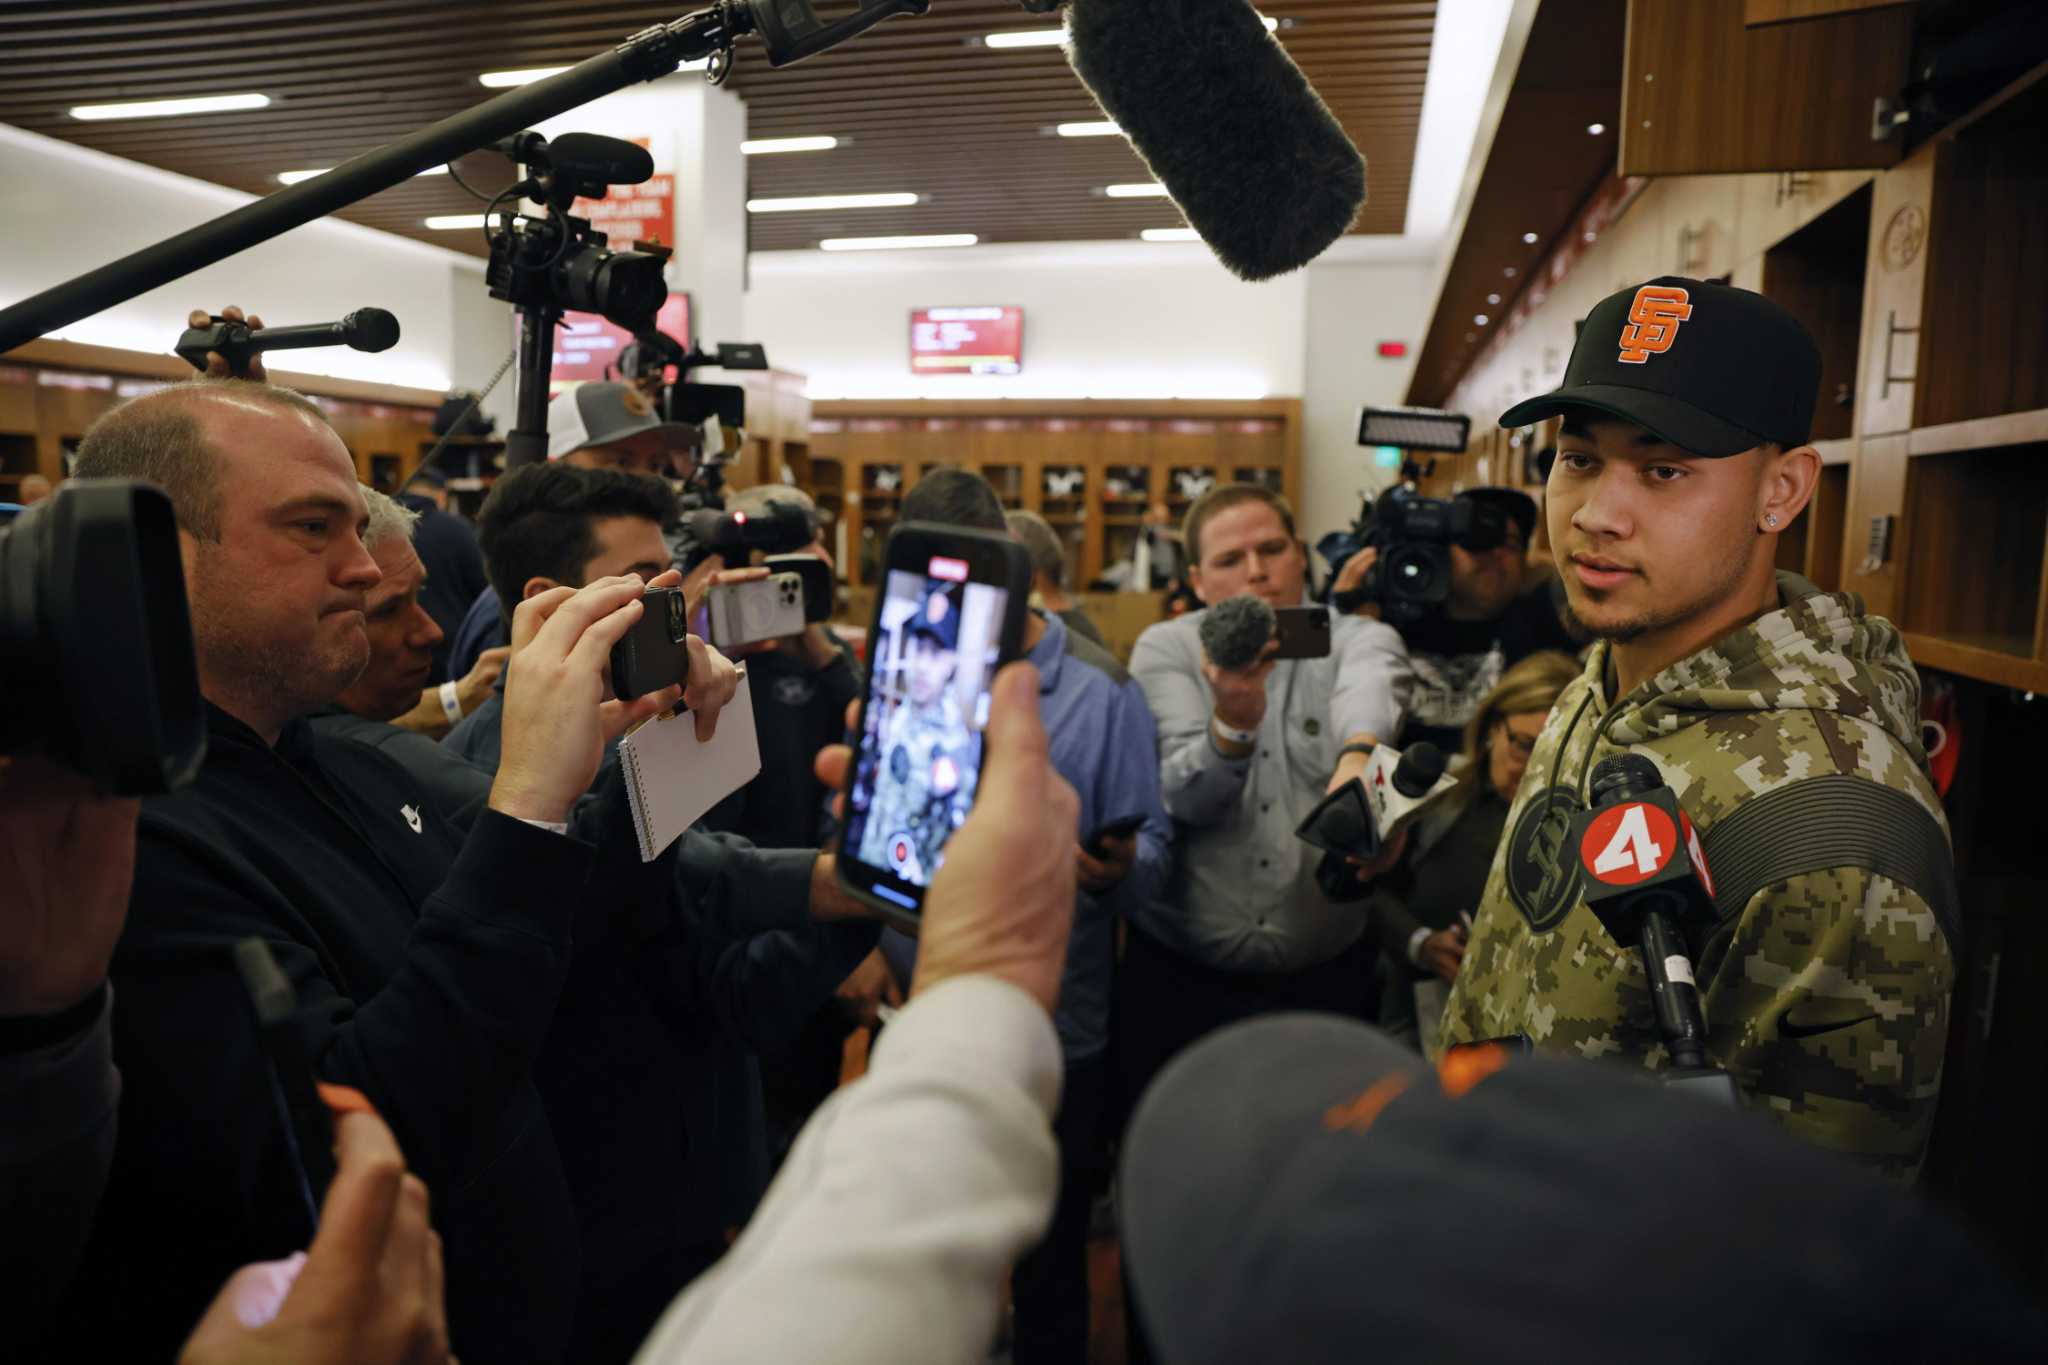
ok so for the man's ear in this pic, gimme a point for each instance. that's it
(537, 585)
(1195, 582)
(1790, 477)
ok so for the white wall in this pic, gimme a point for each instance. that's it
(1114, 320)
(70, 209)
(1101, 320)
(1351, 309)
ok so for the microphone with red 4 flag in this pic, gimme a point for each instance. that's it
(1646, 880)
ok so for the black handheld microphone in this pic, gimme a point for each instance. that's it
(1646, 878)
(1236, 629)
(366, 329)
(1224, 118)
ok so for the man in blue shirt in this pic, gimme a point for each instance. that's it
(1104, 743)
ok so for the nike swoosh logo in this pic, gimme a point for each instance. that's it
(1788, 1027)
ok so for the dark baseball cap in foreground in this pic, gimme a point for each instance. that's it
(1302, 1189)
(1713, 369)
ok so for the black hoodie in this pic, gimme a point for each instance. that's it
(427, 967)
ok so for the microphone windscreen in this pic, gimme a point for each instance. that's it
(370, 329)
(1227, 123)
(1235, 630)
(1621, 776)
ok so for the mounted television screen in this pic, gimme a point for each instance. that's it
(976, 340)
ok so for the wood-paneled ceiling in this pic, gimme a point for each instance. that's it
(928, 108)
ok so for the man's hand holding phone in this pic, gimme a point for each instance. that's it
(1102, 872)
(1003, 903)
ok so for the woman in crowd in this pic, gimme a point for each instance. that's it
(1422, 907)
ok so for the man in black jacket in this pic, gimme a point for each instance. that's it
(427, 964)
(650, 1074)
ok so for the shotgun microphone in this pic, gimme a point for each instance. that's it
(1223, 117)
(366, 329)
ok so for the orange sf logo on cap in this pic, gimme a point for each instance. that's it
(1653, 321)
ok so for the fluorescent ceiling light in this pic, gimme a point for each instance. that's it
(811, 202)
(1053, 37)
(499, 80)
(451, 222)
(1103, 129)
(1171, 235)
(770, 146)
(294, 177)
(198, 104)
(1029, 37)
(1149, 190)
(897, 243)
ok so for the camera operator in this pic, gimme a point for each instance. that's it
(1490, 621)
(1241, 926)
(590, 426)
(426, 966)
(1049, 573)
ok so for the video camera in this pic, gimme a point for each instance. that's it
(719, 410)
(97, 671)
(702, 532)
(1414, 535)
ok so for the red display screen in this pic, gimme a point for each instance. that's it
(585, 343)
(968, 340)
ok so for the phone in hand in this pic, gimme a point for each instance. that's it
(1116, 829)
(820, 595)
(950, 613)
(1302, 632)
(655, 653)
(761, 609)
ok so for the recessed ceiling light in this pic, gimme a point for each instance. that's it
(1509, 272)
(772, 146)
(501, 80)
(1099, 129)
(1027, 37)
(1480, 319)
(177, 108)
(897, 243)
(451, 222)
(1151, 189)
(811, 202)
(1529, 239)
(1182, 234)
(294, 177)
(1493, 298)
(1596, 128)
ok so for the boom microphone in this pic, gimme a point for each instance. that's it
(1227, 123)
(1236, 629)
(366, 329)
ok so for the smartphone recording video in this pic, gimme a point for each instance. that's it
(951, 612)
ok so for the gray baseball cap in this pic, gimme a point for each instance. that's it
(602, 414)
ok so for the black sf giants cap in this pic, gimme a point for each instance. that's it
(1710, 368)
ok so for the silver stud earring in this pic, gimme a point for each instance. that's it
(1771, 519)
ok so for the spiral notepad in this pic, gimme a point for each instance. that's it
(671, 779)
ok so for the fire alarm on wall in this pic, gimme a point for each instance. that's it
(1393, 350)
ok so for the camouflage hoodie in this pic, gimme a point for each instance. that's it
(1855, 959)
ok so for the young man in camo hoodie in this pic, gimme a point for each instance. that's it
(1785, 719)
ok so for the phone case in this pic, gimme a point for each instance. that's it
(654, 653)
(1303, 632)
(912, 545)
(765, 609)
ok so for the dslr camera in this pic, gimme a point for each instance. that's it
(97, 671)
(1414, 535)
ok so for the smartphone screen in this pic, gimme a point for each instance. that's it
(949, 613)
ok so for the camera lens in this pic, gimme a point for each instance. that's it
(678, 622)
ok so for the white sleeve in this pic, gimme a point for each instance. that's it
(1374, 680)
(893, 1226)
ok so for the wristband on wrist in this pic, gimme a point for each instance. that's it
(1235, 736)
(451, 703)
(1415, 942)
(1356, 747)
